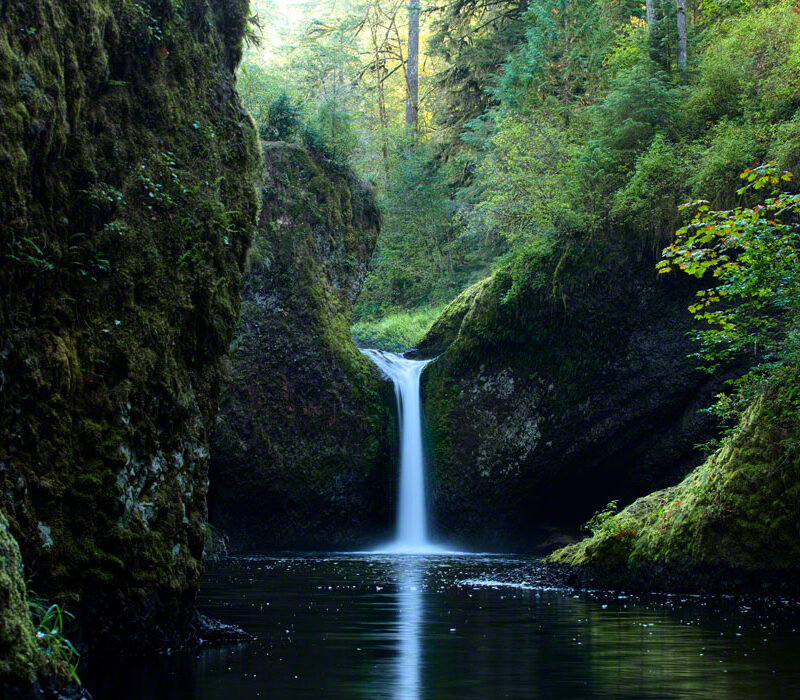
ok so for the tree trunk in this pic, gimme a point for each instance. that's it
(566, 70)
(651, 16)
(681, 35)
(412, 71)
(380, 77)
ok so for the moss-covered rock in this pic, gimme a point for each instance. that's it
(733, 523)
(300, 456)
(446, 327)
(20, 658)
(565, 384)
(127, 200)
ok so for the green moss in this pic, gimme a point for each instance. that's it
(128, 183)
(20, 658)
(737, 511)
(300, 456)
(448, 324)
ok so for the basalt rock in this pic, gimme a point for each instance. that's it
(127, 202)
(730, 526)
(300, 456)
(564, 383)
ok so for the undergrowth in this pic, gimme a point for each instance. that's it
(396, 331)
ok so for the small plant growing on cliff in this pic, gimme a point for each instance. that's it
(596, 522)
(26, 251)
(60, 654)
(283, 120)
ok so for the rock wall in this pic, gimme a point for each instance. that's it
(127, 201)
(564, 384)
(300, 457)
(732, 524)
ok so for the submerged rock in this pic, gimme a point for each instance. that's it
(300, 456)
(127, 203)
(564, 383)
(211, 632)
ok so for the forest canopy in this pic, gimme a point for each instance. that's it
(538, 127)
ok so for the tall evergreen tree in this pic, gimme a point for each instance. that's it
(474, 38)
(682, 42)
(412, 72)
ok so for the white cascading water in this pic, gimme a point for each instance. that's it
(412, 528)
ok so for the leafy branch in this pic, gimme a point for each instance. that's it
(752, 256)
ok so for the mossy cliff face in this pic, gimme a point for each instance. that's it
(20, 658)
(731, 524)
(565, 384)
(128, 200)
(300, 454)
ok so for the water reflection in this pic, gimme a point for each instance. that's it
(410, 610)
(392, 627)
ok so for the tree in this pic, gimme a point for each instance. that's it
(412, 72)
(380, 56)
(566, 41)
(473, 38)
(682, 47)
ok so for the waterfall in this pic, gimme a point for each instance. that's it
(412, 528)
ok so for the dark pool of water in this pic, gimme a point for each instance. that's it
(408, 627)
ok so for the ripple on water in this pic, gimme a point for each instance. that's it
(440, 625)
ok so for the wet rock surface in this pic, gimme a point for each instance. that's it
(127, 182)
(211, 632)
(301, 455)
(542, 409)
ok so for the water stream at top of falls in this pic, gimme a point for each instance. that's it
(412, 526)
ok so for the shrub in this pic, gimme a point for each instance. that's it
(282, 120)
(751, 258)
(596, 522)
(649, 200)
(641, 103)
(733, 147)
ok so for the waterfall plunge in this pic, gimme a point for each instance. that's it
(412, 528)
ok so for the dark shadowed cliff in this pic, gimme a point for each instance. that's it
(127, 201)
(301, 454)
(559, 393)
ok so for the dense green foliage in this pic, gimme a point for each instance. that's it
(637, 141)
(753, 307)
(548, 124)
